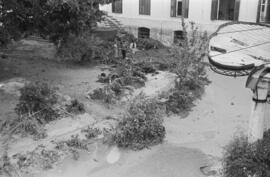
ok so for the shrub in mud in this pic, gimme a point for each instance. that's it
(85, 48)
(37, 99)
(35, 108)
(105, 94)
(142, 126)
(246, 159)
(189, 69)
(149, 43)
(75, 107)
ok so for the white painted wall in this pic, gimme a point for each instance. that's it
(160, 19)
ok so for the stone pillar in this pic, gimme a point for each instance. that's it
(259, 115)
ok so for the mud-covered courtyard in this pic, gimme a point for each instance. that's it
(193, 145)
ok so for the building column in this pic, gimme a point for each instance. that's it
(259, 115)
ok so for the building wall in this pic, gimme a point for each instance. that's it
(162, 24)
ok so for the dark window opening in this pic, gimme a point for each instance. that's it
(145, 7)
(265, 11)
(179, 8)
(225, 10)
(117, 6)
(178, 37)
(143, 32)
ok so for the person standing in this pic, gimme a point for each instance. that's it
(116, 48)
(124, 47)
(133, 46)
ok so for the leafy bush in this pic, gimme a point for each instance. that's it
(38, 158)
(37, 100)
(6, 168)
(106, 94)
(142, 126)
(190, 70)
(85, 48)
(35, 108)
(23, 125)
(179, 101)
(91, 132)
(126, 74)
(75, 107)
(73, 145)
(247, 159)
(149, 43)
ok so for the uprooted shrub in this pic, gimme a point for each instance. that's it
(142, 126)
(37, 100)
(190, 70)
(91, 132)
(75, 107)
(246, 159)
(6, 168)
(149, 43)
(105, 94)
(73, 146)
(40, 157)
(35, 108)
(125, 76)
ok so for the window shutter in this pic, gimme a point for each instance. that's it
(267, 17)
(141, 7)
(185, 8)
(147, 7)
(214, 9)
(113, 6)
(120, 6)
(173, 8)
(236, 10)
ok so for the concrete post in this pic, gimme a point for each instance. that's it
(259, 115)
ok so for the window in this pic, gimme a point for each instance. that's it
(117, 6)
(179, 8)
(178, 37)
(143, 32)
(145, 7)
(225, 10)
(265, 11)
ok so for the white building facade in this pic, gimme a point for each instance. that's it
(161, 19)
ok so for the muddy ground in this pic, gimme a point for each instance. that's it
(191, 143)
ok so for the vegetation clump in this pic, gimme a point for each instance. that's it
(125, 76)
(246, 159)
(39, 157)
(149, 43)
(73, 146)
(37, 99)
(75, 107)
(91, 132)
(35, 108)
(189, 69)
(142, 126)
(85, 48)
